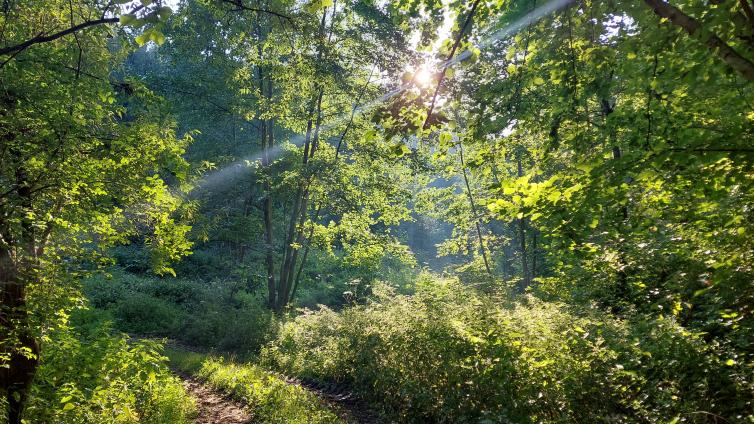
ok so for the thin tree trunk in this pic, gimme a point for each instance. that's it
(477, 218)
(622, 288)
(533, 255)
(525, 279)
(301, 199)
(267, 140)
(319, 207)
(298, 215)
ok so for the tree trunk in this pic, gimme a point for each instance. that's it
(267, 140)
(319, 207)
(622, 289)
(14, 317)
(298, 214)
(525, 279)
(477, 218)
(301, 200)
(533, 255)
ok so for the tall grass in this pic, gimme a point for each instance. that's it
(269, 397)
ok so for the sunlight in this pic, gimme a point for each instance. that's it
(423, 77)
(338, 212)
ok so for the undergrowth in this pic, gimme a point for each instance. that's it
(90, 375)
(448, 354)
(269, 397)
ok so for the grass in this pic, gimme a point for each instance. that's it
(269, 397)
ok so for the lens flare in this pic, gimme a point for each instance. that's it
(423, 77)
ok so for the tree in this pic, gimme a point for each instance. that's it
(82, 157)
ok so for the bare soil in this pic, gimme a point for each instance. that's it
(212, 406)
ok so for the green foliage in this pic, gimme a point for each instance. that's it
(192, 311)
(585, 175)
(268, 395)
(447, 354)
(89, 375)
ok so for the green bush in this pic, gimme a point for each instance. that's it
(140, 313)
(270, 398)
(194, 312)
(87, 375)
(447, 354)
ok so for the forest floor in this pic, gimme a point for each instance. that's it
(344, 403)
(212, 406)
(215, 407)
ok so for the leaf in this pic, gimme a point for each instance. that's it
(142, 39)
(400, 150)
(157, 36)
(445, 138)
(539, 81)
(127, 19)
(164, 12)
(511, 68)
(68, 406)
(631, 55)
(369, 136)
(318, 5)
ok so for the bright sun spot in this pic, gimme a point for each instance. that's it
(423, 77)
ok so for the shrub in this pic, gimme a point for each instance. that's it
(195, 312)
(88, 375)
(446, 354)
(143, 314)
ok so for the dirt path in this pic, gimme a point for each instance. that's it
(347, 405)
(212, 406)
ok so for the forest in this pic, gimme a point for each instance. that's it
(376, 211)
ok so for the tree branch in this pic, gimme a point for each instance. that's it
(241, 6)
(731, 57)
(457, 42)
(41, 38)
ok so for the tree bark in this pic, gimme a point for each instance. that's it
(14, 317)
